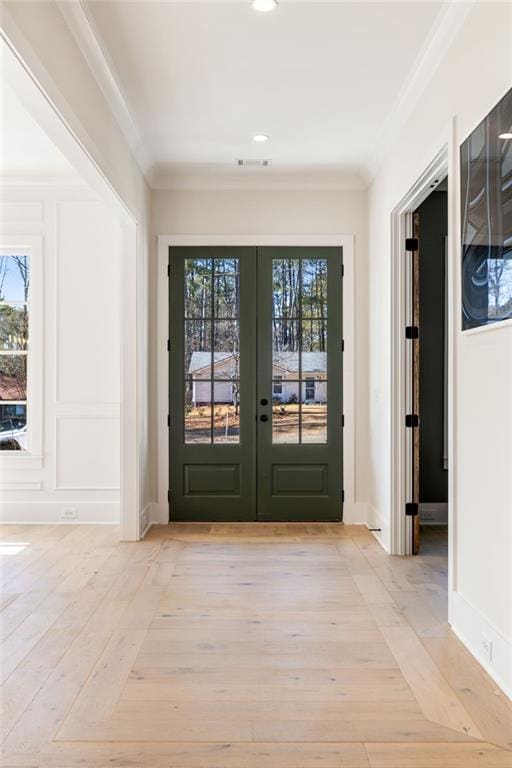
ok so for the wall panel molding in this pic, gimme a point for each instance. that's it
(97, 443)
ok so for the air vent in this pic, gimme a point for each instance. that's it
(244, 163)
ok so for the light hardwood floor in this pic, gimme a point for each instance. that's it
(236, 646)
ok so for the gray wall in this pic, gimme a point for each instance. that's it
(433, 230)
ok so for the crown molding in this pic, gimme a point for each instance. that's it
(264, 181)
(84, 30)
(444, 30)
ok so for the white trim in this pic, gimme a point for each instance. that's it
(470, 625)
(446, 26)
(351, 511)
(85, 32)
(401, 303)
(32, 246)
(496, 325)
(130, 360)
(162, 178)
(22, 485)
(49, 512)
(59, 417)
(444, 163)
(40, 96)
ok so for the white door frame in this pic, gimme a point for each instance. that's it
(445, 163)
(47, 114)
(161, 514)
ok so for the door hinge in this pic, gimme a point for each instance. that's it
(168, 270)
(411, 243)
(411, 509)
(168, 420)
(412, 332)
(169, 497)
(343, 270)
(342, 495)
(343, 345)
(168, 345)
(412, 420)
(342, 419)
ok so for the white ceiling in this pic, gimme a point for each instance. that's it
(321, 78)
(25, 149)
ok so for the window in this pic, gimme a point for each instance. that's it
(310, 389)
(14, 345)
(278, 386)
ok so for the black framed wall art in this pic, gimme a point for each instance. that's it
(486, 219)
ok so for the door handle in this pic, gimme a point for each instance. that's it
(264, 417)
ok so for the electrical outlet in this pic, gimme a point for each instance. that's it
(486, 646)
(69, 513)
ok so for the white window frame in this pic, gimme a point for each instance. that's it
(32, 457)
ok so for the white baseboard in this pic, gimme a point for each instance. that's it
(470, 627)
(50, 513)
(150, 516)
(379, 526)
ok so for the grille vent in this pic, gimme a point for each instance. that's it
(245, 163)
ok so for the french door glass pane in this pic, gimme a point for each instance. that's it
(314, 288)
(198, 411)
(226, 346)
(226, 288)
(198, 288)
(314, 418)
(285, 338)
(198, 348)
(285, 415)
(314, 338)
(286, 288)
(226, 421)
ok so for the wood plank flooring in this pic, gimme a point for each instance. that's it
(236, 646)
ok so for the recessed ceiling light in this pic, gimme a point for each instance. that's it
(505, 136)
(264, 5)
(260, 137)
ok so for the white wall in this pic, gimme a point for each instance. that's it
(475, 73)
(77, 357)
(97, 146)
(265, 212)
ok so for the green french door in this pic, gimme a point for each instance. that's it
(255, 376)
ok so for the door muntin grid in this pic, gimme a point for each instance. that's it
(299, 350)
(212, 351)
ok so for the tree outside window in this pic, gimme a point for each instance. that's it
(14, 313)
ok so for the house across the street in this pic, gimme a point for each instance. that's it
(285, 377)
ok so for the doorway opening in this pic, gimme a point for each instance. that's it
(256, 383)
(428, 372)
(416, 507)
